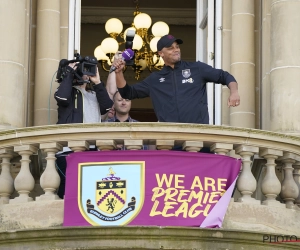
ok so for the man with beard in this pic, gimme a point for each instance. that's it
(178, 90)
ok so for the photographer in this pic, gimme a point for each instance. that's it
(81, 100)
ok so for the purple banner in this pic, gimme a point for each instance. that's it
(161, 188)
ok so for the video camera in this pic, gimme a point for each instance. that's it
(128, 44)
(86, 66)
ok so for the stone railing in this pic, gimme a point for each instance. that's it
(259, 199)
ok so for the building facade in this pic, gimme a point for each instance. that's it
(258, 41)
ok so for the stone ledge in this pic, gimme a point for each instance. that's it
(136, 238)
(262, 218)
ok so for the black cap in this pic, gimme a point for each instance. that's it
(167, 41)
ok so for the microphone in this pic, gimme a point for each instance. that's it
(126, 56)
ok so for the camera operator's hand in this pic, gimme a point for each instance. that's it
(96, 79)
(73, 65)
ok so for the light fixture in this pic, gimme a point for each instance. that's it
(144, 44)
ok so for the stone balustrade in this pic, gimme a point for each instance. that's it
(262, 197)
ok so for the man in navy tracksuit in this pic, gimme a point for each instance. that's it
(178, 91)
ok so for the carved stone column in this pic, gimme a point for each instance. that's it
(164, 144)
(133, 144)
(271, 186)
(243, 61)
(285, 62)
(50, 179)
(24, 182)
(246, 182)
(6, 180)
(221, 148)
(47, 53)
(289, 188)
(192, 146)
(106, 145)
(78, 146)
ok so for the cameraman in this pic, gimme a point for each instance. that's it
(81, 101)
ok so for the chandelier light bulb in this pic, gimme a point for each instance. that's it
(142, 21)
(109, 45)
(137, 42)
(144, 44)
(113, 25)
(99, 54)
(153, 43)
(160, 29)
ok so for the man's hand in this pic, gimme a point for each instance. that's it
(119, 64)
(96, 79)
(234, 98)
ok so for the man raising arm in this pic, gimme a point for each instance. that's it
(178, 91)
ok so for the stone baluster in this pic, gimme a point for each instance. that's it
(164, 144)
(271, 186)
(6, 180)
(221, 148)
(78, 146)
(246, 183)
(133, 144)
(296, 175)
(106, 145)
(50, 179)
(289, 189)
(192, 146)
(24, 182)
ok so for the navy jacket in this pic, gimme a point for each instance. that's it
(179, 94)
(70, 101)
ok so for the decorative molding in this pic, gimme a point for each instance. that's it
(172, 16)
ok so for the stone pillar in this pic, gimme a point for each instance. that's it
(271, 186)
(257, 61)
(64, 28)
(47, 59)
(32, 56)
(24, 182)
(246, 183)
(6, 180)
(226, 57)
(285, 66)
(289, 187)
(164, 144)
(192, 146)
(296, 175)
(13, 63)
(243, 62)
(50, 179)
(106, 145)
(133, 144)
(78, 146)
(265, 65)
(221, 148)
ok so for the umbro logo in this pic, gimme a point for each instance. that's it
(162, 79)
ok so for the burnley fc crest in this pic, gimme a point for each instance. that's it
(111, 193)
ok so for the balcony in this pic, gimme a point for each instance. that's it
(265, 202)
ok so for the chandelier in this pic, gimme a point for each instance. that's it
(144, 44)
